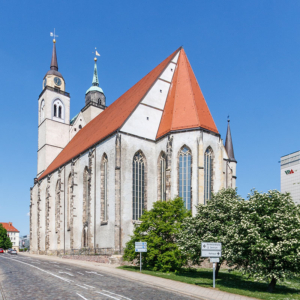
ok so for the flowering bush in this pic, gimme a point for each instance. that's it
(265, 239)
(158, 228)
(210, 224)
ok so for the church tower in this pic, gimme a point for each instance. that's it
(95, 100)
(54, 116)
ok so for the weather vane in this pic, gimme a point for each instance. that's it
(96, 54)
(54, 36)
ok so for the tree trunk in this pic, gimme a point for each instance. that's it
(217, 269)
(271, 286)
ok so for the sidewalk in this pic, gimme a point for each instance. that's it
(194, 291)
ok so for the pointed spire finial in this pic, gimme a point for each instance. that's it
(228, 143)
(54, 65)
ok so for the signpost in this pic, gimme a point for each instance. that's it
(213, 251)
(140, 247)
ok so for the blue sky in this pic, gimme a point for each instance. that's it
(245, 55)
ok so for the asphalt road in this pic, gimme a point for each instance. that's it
(30, 278)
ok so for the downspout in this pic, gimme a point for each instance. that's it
(65, 210)
(95, 185)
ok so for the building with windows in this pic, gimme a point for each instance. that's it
(98, 172)
(290, 175)
(13, 234)
(25, 242)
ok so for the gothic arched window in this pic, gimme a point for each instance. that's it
(162, 166)
(85, 194)
(185, 176)
(104, 177)
(69, 197)
(138, 185)
(42, 111)
(208, 174)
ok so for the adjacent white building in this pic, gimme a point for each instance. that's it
(98, 172)
(290, 175)
(13, 234)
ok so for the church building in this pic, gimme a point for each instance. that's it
(99, 171)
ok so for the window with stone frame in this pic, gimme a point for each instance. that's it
(208, 173)
(104, 190)
(85, 194)
(42, 111)
(139, 202)
(162, 167)
(185, 176)
(69, 200)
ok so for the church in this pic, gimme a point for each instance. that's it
(99, 171)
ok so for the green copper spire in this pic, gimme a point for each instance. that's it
(95, 83)
(95, 77)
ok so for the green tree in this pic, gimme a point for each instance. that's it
(210, 224)
(5, 241)
(158, 228)
(265, 239)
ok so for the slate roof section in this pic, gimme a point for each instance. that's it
(109, 121)
(229, 144)
(185, 107)
(9, 227)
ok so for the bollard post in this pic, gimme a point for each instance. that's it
(214, 275)
(140, 261)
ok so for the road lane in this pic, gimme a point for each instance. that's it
(26, 278)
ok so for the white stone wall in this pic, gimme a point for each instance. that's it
(103, 235)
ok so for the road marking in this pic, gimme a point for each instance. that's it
(94, 273)
(117, 295)
(64, 279)
(80, 273)
(108, 295)
(81, 296)
(66, 273)
(89, 286)
(82, 286)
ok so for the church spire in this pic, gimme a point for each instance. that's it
(229, 145)
(53, 65)
(95, 76)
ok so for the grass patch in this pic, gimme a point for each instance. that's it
(232, 282)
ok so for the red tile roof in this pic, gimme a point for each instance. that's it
(9, 227)
(109, 121)
(185, 107)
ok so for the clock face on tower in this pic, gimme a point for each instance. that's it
(57, 81)
(45, 82)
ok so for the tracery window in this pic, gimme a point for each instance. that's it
(185, 176)
(138, 185)
(104, 177)
(208, 174)
(85, 194)
(162, 166)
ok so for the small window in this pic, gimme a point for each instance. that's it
(55, 110)
(59, 111)
(79, 126)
